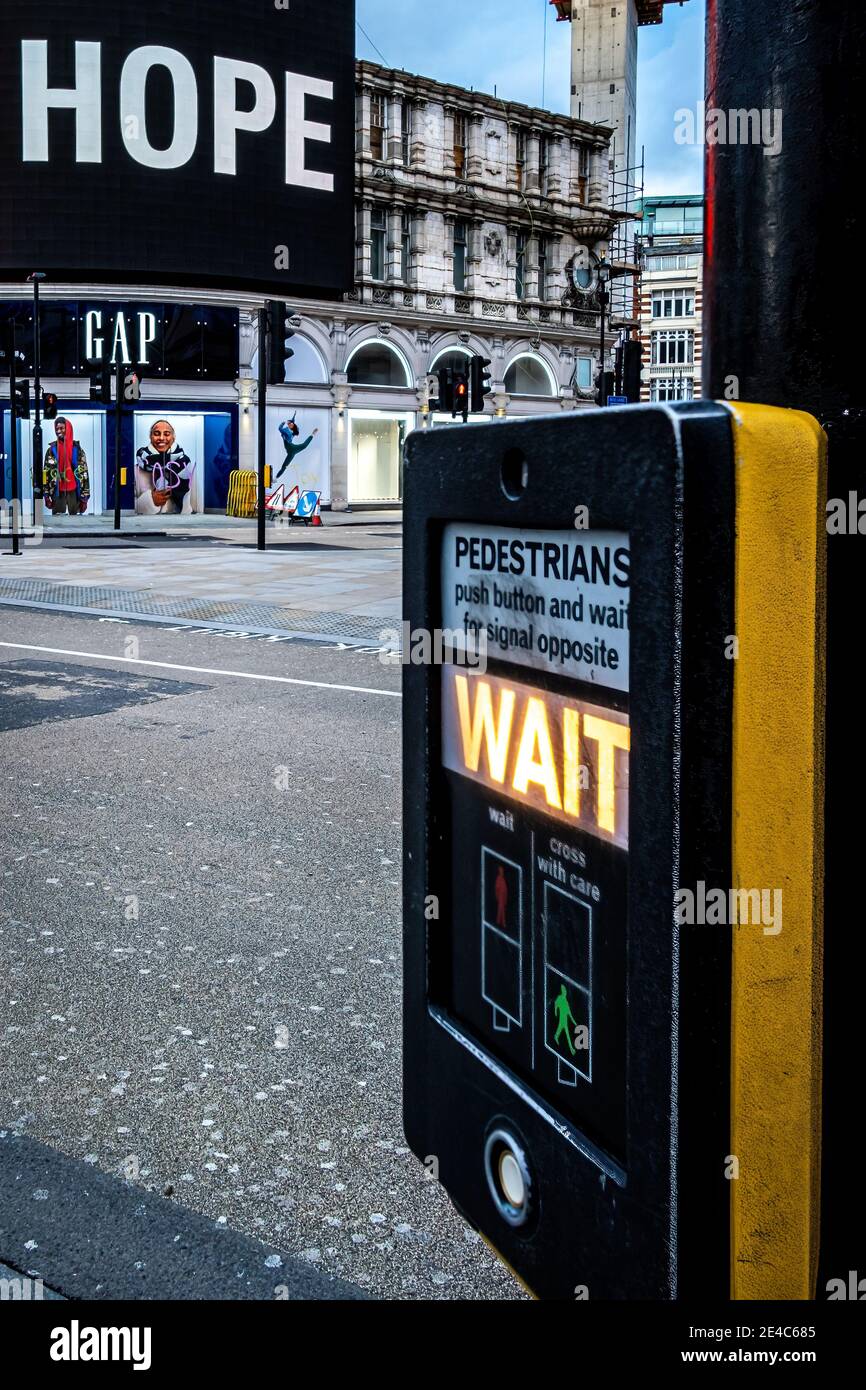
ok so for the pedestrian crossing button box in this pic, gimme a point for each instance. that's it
(616, 1086)
(564, 1051)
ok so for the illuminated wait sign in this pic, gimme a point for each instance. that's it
(553, 753)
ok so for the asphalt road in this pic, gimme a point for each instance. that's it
(200, 939)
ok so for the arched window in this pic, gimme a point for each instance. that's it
(305, 365)
(452, 357)
(376, 364)
(529, 376)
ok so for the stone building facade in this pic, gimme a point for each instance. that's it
(478, 226)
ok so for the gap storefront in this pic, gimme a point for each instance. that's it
(179, 442)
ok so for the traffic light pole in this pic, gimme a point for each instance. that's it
(13, 445)
(118, 436)
(262, 429)
(38, 479)
(773, 335)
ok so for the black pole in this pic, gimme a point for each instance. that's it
(38, 478)
(13, 444)
(118, 432)
(262, 429)
(781, 223)
(601, 380)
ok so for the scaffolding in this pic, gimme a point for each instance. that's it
(626, 195)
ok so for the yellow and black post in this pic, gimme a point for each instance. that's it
(782, 234)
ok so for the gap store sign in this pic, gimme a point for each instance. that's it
(182, 342)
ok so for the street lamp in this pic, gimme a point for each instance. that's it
(603, 273)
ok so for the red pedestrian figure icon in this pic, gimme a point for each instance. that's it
(500, 891)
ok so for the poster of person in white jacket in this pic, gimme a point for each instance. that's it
(164, 473)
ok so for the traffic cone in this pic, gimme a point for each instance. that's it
(317, 515)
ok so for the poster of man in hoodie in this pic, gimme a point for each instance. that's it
(65, 474)
(165, 475)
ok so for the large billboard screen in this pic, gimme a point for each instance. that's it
(203, 143)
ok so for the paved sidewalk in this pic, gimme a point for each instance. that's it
(206, 523)
(343, 583)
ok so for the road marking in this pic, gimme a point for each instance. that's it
(204, 670)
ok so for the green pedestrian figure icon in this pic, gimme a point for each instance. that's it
(564, 1016)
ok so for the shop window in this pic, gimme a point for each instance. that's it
(376, 456)
(87, 433)
(376, 364)
(527, 376)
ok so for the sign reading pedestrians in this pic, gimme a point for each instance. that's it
(567, 1040)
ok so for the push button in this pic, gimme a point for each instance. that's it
(508, 1176)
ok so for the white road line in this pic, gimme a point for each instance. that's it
(204, 670)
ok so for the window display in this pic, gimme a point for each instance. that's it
(376, 455)
(167, 480)
(64, 471)
(298, 449)
(73, 463)
(182, 462)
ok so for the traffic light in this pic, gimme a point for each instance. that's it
(21, 400)
(631, 369)
(605, 385)
(100, 384)
(480, 383)
(460, 401)
(49, 405)
(279, 332)
(445, 400)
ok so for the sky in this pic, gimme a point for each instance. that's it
(517, 48)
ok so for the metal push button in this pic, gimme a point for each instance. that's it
(508, 1177)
